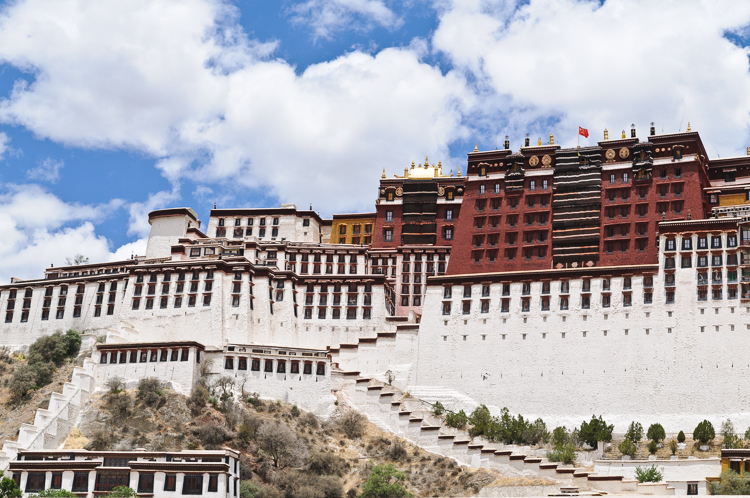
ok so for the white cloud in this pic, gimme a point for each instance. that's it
(139, 224)
(627, 61)
(178, 80)
(328, 16)
(39, 229)
(4, 139)
(47, 170)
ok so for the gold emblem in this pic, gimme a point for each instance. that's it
(610, 154)
(624, 152)
(441, 191)
(533, 161)
(546, 161)
(399, 192)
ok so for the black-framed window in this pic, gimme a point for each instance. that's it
(294, 368)
(56, 480)
(146, 483)
(35, 482)
(107, 481)
(213, 483)
(192, 484)
(80, 482)
(242, 364)
(268, 366)
(170, 482)
(255, 365)
(307, 369)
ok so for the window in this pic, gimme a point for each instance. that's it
(192, 484)
(146, 481)
(81, 482)
(56, 480)
(466, 307)
(388, 234)
(448, 214)
(482, 189)
(213, 483)
(170, 482)
(448, 233)
(35, 482)
(563, 303)
(107, 481)
(687, 244)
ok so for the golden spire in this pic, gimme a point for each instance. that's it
(476, 149)
(459, 170)
(426, 162)
(412, 165)
(383, 173)
(688, 126)
(539, 142)
(748, 151)
(606, 134)
(551, 139)
(623, 133)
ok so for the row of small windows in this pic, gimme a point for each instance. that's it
(351, 313)
(144, 356)
(238, 233)
(268, 365)
(701, 261)
(107, 481)
(702, 243)
(496, 188)
(261, 222)
(564, 287)
(564, 303)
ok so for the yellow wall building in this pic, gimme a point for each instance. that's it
(353, 229)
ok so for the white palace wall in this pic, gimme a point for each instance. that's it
(675, 364)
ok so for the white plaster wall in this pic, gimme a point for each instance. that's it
(521, 360)
(181, 374)
(672, 470)
(166, 232)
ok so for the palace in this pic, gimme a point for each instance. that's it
(611, 279)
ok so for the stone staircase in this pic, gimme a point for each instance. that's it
(52, 425)
(411, 418)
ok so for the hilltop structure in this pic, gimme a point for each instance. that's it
(612, 279)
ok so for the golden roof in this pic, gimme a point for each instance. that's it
(424, 172)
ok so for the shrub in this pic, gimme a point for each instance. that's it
(9, 488)
(115, 384)
(596, 430)
(198, 399)
(397, 451)
(23, 381)
(55, 348)
(635, 432)
(310, 420)
(327, 464)
(649, 474)
(248, 429)
(673, 446)
(627, 447)
(652, 447)
(212, 436)
(729, 438)
(280, 443)
(119, 406)
(656, 433)
(704, 432)
(122, 492)
(54, 493)
(456, 420)
(564, 453)
(353, 424)
(385, 482)
(294, 412)
(731, 483)
(681, 437)
(43, 372)
(249, 490)
(482, 423)
(149, 391)
(438, 409)
(101, 440)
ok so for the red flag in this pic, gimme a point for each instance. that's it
(583, 132)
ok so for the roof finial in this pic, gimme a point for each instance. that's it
(426, 161)
(459, 170)
(748, 151)
(214, 205)
(476, 149)
(551, 139)
(606, 134)
(623, 133)
(688, 126)
(412, 165)
(539, 141)
(383, 172)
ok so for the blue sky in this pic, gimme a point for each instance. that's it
(111, 109)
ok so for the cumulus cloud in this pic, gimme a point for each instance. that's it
(179, 80)
(47, 170)
(139, 224)
(4, 140)
(552, 65)
(40, 229)
(328, 16)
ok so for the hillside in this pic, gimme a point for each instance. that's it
(325, 459)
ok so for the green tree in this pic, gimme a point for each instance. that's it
(438, 409)
(54, 493)
(249, 490)
(481, 422)
(8, 488)
(560, 436)
(704, 432)
(55, 348)
(673, 446)
(681, 437)
(385, 481)
(730, 439)
(564, 453)
(731, 483)
(649, 474)
(78, 259)
(596, 430)
(652, 447)
(656, 433)
(635, 432)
